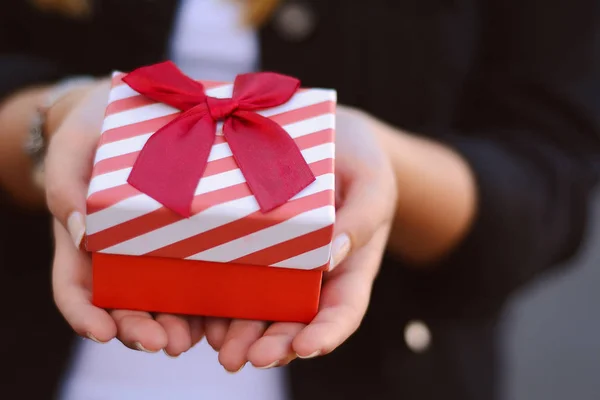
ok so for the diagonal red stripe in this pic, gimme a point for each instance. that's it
(288, 249)
(139, 128)
(100, 200)
(128, 103)
(159, 218)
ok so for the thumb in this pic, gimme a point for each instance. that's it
(66, 187)
(68, 166)
(365, 208)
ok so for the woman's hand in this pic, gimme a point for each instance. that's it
(75, 123)
(366, 200)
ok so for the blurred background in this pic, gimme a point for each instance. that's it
(551, 335)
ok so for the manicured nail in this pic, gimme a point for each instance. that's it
(139, 346)
(168, 355)
(311, 355)
(272, 365)
(339, 249)
(94, 338)
(235, 372)
(76, 227)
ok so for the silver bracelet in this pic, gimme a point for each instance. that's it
(35, 145)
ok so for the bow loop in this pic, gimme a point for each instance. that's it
(165, 83)
(158, 171)
(262, 147)
(256, 91)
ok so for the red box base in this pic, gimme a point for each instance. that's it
(204, 288)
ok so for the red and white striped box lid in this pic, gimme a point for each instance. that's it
(226, 224)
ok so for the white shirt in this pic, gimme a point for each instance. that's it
(209, 42)
(113, 372)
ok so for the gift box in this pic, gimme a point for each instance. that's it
(212, 198)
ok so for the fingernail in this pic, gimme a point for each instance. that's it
(139, 346)
(94, 338)
(168, 355)
(76, 227)
(311, 355)
(273, 364)
(235, 372)
(339, 249)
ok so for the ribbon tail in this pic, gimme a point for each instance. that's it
(270, 160)
(173, 160)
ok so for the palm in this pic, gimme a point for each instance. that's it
(364, 182)
(344, 300)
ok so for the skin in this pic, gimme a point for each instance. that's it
(423, 229)
(372, 161)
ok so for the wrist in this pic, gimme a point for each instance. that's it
(57, 112)
(52, 108)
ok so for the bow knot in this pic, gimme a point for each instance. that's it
(174, 158)
(221, 108)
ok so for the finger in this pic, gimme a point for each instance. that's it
(291, 357)
(241, 335)
(364, 209)
(71, 285)
(365, 185)
(139, 331)
(69, 161)
(274, 348)
(344, 300)
(179, 336)
(215, 330)
(196, 329)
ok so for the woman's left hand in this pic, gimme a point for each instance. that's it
(75, 125)
(366, 196)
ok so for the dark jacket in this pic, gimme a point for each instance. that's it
(512, 85)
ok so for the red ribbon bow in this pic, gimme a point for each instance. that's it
(173, 160)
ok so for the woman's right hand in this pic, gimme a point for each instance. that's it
(75, 125)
